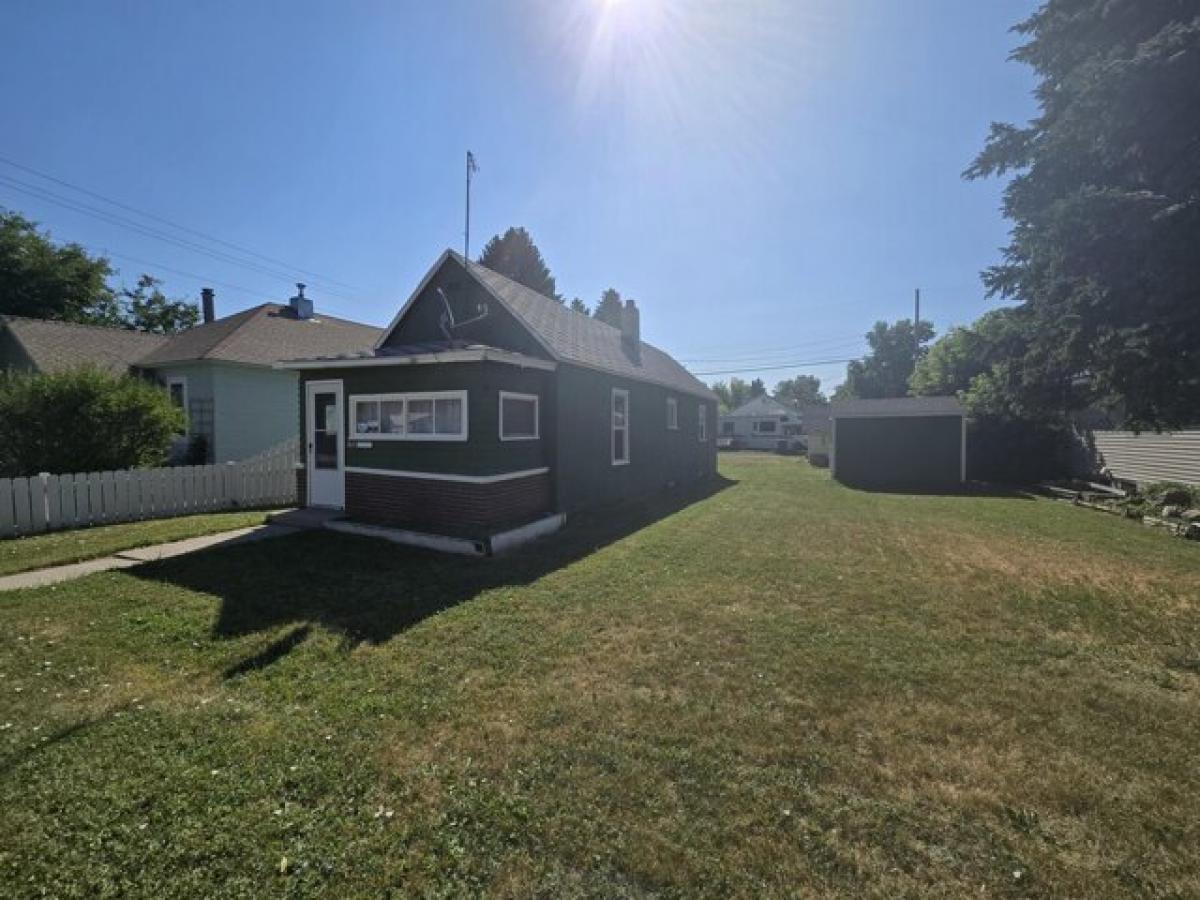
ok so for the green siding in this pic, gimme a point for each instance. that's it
(900, 452)
(497, 329)
(483, 453)
(255, 410)
(585, 475)
(13, 357)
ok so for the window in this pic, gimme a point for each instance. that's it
(518, 417)
(437, 416)
(620, 427)
(672, 414)
(177, 391)
(702, 425)
(766, 426)
(727, 428)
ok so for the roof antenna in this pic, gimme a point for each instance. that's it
(446, 321)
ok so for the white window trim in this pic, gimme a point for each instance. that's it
(702, 422)
(537, 416)
(356, 435)
(672, 414)
(612, 423)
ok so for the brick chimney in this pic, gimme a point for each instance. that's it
(208, 310)
(631, 330)
(302, 306)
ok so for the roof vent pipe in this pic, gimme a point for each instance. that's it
(302, 306)
(207, 306)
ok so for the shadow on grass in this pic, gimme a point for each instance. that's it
(370, 590)
(15, 759)
(974, 489)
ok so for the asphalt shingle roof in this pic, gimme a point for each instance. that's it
(577, 338)
(57, 346)
(263, 335)
(762, 405)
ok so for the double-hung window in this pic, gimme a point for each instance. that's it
(620, 427)
(432, 416)
(518, 417)
(672, 414)
(702, 422)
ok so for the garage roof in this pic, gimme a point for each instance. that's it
(894, 407)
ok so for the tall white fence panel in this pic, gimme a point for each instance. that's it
(54, 502)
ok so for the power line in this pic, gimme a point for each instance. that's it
(176, 225)
(113, 219)
(803, 364)
(825, 344)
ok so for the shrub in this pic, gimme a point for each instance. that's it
(83, 420)
(1016, 451)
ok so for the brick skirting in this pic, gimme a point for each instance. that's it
(446, 507)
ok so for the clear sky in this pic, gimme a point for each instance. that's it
(766, 177)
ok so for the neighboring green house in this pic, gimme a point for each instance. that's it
(221, 372)
(486, 405)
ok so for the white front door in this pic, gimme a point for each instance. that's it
(325, 450)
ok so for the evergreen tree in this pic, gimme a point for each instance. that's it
(609, 308)
(515, 255)
(1106, 224)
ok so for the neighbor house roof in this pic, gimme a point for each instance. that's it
(572, 337)
(760, 406)
(263, 335)
(54, 346)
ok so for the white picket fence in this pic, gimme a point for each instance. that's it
(53, 502)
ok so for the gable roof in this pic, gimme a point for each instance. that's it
(568, 336)
(263, 335)
(762, 405)
(54, 346)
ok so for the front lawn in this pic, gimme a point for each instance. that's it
(62, 547)
(785, 688)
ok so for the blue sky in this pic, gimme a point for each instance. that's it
(766, 177)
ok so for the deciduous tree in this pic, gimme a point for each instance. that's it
(885, 371)
(147, 308)
(43, 280)
(803, 390)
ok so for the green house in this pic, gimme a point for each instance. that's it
(486, 406)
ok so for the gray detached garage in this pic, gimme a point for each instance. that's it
(906, 443)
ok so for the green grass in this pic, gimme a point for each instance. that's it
(784, 688)
(63, 547)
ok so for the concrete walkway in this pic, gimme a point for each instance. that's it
(139, 555)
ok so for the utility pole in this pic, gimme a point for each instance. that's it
(471, 167)
(916, 325)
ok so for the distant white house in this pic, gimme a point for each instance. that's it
(761, 423)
